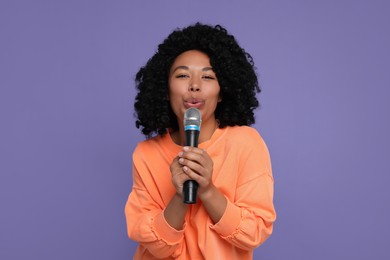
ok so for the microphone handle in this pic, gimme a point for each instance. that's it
(192, 137)
(190, 187)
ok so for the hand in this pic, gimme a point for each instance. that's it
(198, 166)
(178, 176)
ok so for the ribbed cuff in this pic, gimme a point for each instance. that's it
(230, 220)
(165, 232)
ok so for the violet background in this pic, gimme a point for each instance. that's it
(67, 130)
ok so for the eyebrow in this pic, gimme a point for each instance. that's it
(186, 68)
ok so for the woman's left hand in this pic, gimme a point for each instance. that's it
(198, 165)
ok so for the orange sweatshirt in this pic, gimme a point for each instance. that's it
(242, 172)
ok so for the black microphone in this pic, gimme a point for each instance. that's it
(192, 121)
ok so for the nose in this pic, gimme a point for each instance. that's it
(194, 86)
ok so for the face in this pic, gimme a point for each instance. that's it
(192, 83)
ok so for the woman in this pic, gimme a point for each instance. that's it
(203, 67)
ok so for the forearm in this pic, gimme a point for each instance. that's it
(175, 212)
(149, 227)
(247, 222)
(214, 202)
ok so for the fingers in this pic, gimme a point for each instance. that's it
(177, 170)
(178, 175)
(196, 155)
(192, 163)
(192, 175)
(196, 163)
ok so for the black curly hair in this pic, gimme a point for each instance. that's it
(233, 66)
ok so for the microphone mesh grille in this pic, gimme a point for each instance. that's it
(192, 117)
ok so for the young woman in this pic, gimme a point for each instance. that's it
(199, 66)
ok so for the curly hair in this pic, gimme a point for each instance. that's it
(233, 66)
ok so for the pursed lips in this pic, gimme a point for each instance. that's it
(193, 102)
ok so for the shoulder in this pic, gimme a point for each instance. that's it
(156, 147)
(148, 145)
(244, 138)
(243, 133)
(242, 129)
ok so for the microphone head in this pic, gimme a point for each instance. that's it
(192, 119)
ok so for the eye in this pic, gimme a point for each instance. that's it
(208, 77)
(178, 76)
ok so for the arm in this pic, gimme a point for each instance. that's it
(249, 216)
(247, 221)
(149, 222)
(245, 214)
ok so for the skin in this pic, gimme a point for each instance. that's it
(193, 83)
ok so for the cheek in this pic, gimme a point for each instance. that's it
(217, 92)
(174, 95)
(176, 89)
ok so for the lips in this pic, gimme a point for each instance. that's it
(193, 102)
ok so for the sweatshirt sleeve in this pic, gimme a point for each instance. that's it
(248, 219)
(145, 216)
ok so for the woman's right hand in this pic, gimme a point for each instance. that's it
(178, 176)
(176, 210)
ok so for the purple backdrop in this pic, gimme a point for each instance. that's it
(67, 130)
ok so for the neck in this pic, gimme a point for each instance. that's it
(206, 131)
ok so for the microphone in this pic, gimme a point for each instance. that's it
(192, 121)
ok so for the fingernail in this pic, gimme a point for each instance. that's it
(186, 148)
(181, 160)
(180, 154)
